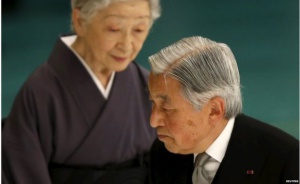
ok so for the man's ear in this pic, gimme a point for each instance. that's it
(78, 23)
(217, 109)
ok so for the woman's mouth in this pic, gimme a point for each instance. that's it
(120, 59)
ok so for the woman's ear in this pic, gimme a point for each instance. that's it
(77, 21)
(217, 109)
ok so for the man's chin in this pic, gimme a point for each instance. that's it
(172, 148)
(176, 150)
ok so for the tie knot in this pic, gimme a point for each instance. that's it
(201, 159)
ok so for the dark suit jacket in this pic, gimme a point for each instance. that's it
(270, 153)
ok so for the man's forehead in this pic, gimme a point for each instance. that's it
(158, 78)
(161, 86)
(157, 82)
(162, 80)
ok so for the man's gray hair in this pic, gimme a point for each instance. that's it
(205, 69)
(89, 8)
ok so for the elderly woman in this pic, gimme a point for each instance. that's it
(82, 117)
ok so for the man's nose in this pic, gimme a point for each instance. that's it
(156, 118)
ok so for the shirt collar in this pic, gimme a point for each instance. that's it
(218, 148)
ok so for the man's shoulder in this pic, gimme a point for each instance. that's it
(263, 133)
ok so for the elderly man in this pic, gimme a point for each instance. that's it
(202, 135)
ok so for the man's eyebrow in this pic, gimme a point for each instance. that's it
(162, 97)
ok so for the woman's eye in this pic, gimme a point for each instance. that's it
(139, 30)
(114, 29)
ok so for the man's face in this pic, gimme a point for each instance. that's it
(181, 128)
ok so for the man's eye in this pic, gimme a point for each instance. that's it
(167, 109)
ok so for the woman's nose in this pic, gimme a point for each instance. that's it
(126, 42)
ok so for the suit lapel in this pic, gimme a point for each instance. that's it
(179, 169)
(170, 168)
(182, 170)
(243, 160)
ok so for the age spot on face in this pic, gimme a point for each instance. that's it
(190, 123)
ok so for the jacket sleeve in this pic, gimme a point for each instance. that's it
(23, 158)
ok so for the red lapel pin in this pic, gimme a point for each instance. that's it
(250, 172)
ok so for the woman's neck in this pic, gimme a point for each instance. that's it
(102, 73)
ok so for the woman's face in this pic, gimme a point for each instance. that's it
(115, 35)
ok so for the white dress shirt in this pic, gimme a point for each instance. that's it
(218, 148)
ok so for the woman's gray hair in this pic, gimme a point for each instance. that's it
(205, 69)
(89, 8)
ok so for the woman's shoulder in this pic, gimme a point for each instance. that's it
(135, 66)
(41, 80)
